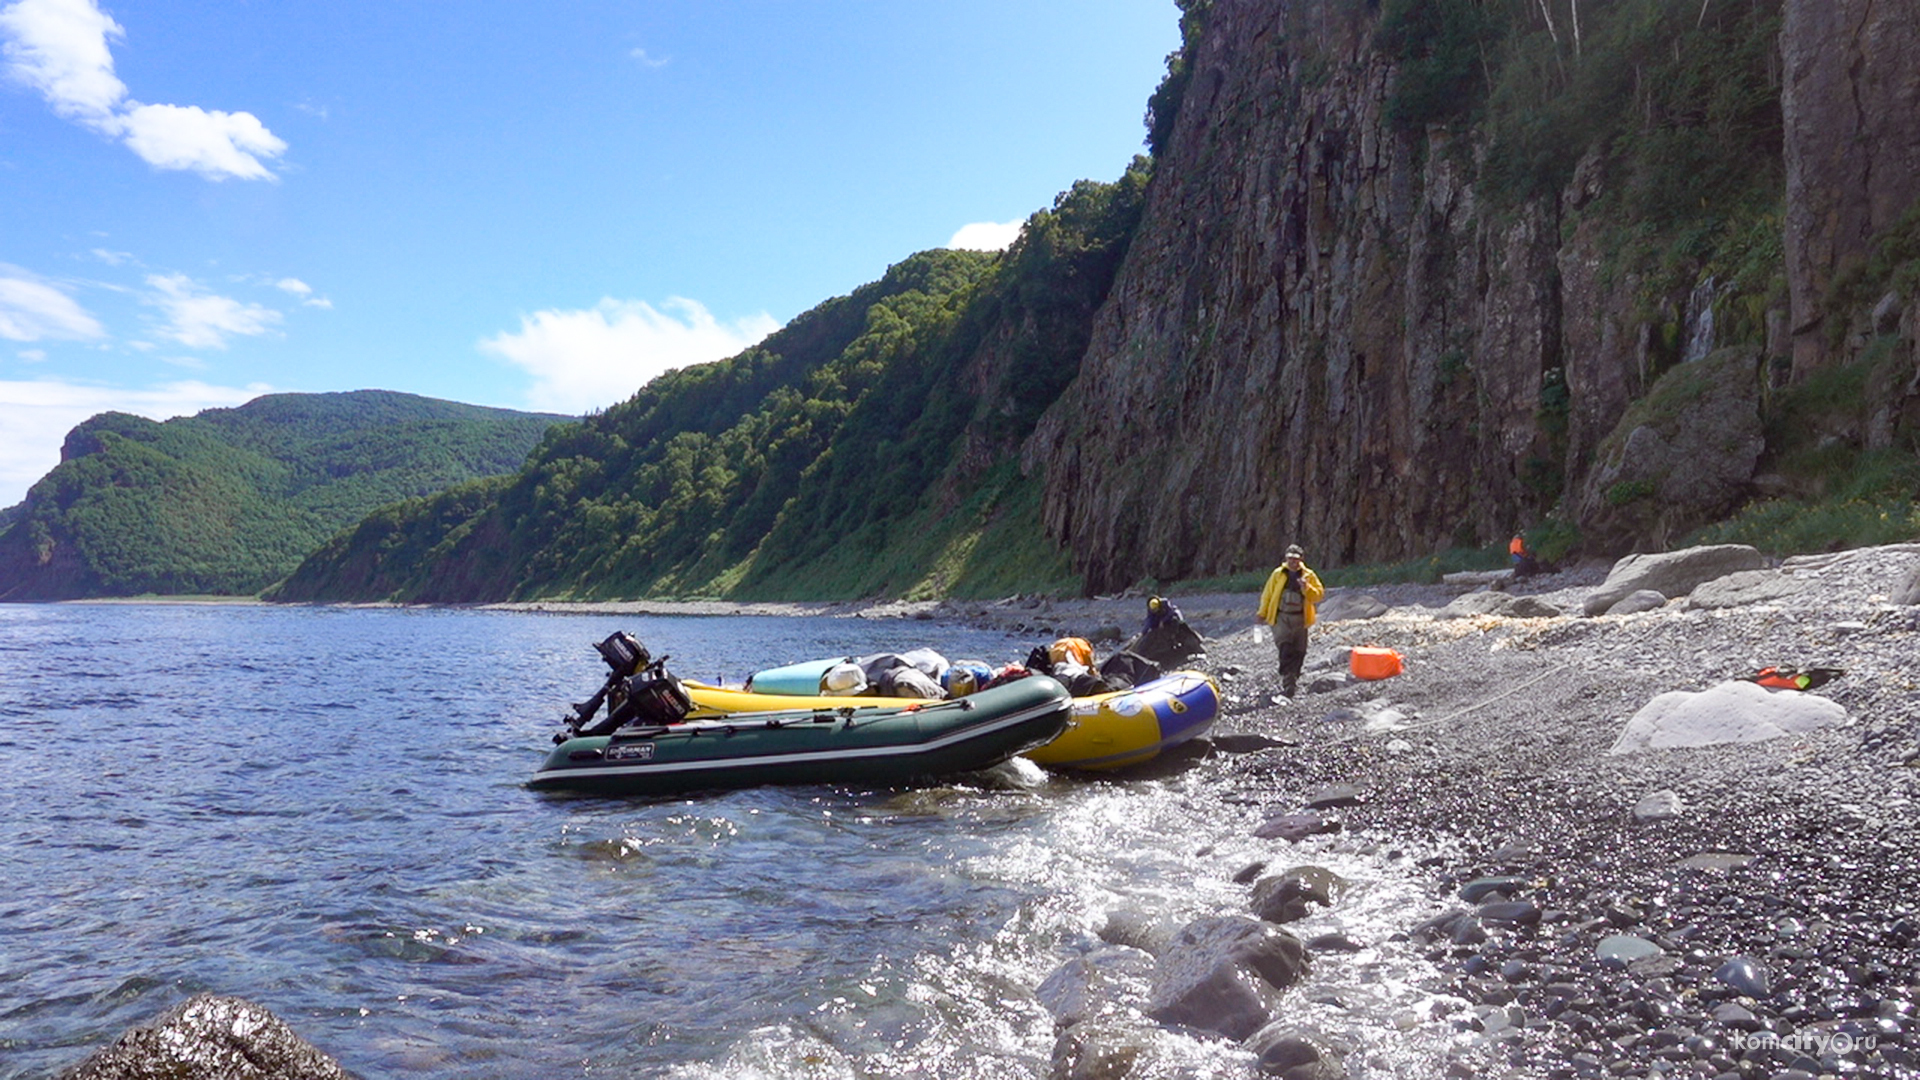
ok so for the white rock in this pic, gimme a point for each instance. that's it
(1381, 717)
(1733, 712)
(1662, 805)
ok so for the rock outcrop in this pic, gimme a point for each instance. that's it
(1671, 573)
(209, 1037)
(1315, 336)
(1850, 98)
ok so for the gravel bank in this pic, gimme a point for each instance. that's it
(1758, 918)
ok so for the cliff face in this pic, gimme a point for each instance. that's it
(1316, 336)
(1327, 333)
(1850, 98)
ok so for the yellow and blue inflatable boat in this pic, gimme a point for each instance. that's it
(1129, 727)
(1107, 731)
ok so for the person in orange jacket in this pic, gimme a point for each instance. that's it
(1287, 605)
(1524, 564)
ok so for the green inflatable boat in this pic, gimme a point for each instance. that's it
(863, 746)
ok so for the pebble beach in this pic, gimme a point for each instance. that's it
(1744, 909)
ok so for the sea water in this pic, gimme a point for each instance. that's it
(323, 810)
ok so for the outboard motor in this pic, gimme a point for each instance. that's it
(625, 656)
(653, 698)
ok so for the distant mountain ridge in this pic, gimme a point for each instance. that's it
(869, 447)
(229, 501)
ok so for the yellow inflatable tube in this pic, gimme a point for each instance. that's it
(712, 701)
(1112, 731)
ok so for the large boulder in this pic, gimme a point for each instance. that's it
(1743, 588)
(1908, 591)
(1343, 604)
(1672, 573)
(1681, 457)
(1106, 982)
(209, 1037)
(1290, 896)
(1216, 975)
(1732, 712)
(1636, 602)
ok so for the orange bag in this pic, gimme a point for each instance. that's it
(1369, 662)
(1077, 650)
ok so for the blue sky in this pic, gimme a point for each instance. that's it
(533, 205)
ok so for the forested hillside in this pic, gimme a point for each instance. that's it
(230, 500)
(867, 447)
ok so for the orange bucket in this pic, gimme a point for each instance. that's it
(1368, 662)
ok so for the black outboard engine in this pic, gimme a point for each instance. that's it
(624, 654)
(639, 689)
(653, 698)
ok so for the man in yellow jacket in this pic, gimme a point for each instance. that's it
(1287, 605)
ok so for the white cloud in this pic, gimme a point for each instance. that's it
(36, 416)
(60, 48)
(203, 320)
(986, 236)
(304, 291)
(113, 258)
(33, 356)
(31, 311)
(214, 144)
(589, 359)
(650, 61)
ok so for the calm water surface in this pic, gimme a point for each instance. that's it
(322, 810)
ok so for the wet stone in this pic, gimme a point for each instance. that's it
(209, 1036)
(1510, 912)
(1296, 1054)
(1745, 976)
(1617, 951)
(1481, 888)
(1294, 827)
(1335, 942)
(1288, 896)
(1737, 1016)
(1654, 967)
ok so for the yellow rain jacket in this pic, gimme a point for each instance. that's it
(1311, 591)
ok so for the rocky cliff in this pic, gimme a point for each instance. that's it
(1851, 99)
(1330, 329)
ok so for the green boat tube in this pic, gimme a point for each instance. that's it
(868, 747)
